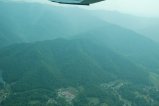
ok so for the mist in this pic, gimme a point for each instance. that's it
(105, 54)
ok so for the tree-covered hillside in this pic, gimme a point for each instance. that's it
(26, 22)
(81, 66)
(66, 56)
(135, 47)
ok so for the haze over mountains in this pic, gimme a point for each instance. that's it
(147, 26)
(61, 56)
(32, 22)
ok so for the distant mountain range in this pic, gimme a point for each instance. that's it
(61, 56)
(147, 26)
(34, 22)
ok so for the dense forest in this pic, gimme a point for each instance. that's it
(51, 57)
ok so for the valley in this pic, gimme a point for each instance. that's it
(68, 56)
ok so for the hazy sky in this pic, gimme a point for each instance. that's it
(137, 7)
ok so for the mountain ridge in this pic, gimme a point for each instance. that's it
(57, 64)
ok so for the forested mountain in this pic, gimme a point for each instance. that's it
(66, 56)
(33, 22)
(135, 47)
(53, 65)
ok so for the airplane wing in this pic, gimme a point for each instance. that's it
(77, 2)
